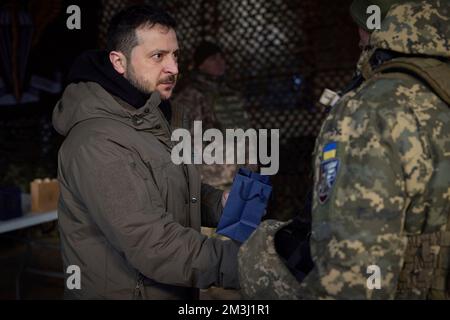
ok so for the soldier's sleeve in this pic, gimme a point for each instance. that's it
(370, 161)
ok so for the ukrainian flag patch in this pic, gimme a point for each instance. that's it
(329, 151)
(329, 167)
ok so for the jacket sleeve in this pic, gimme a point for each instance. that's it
(360, 205)
(139, 228)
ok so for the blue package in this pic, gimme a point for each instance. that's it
(10, 203)
(245, 206)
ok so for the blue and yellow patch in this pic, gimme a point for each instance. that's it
(329, 167)
(329, 151)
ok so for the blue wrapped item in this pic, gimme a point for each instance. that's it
(245, 206)
(10, 203)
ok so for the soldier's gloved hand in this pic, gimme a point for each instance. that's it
(258, 259)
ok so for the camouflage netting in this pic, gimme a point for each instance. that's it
(281, 54)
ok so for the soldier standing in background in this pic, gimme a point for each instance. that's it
(380, 216)
(205, 96)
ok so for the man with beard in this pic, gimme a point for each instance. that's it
(129, 218)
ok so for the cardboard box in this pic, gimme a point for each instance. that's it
(44, 195)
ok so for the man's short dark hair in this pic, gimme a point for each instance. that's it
(122, 28)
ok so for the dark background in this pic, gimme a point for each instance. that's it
(280, 53)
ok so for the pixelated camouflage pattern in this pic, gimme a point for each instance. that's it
(416, 28)
(358, 10)
(363, 61)
(212, 101)
(425, 273)
(274, 280)
(391, 200)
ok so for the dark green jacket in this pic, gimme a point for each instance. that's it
(129, 217)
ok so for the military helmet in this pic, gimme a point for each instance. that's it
(358, 9)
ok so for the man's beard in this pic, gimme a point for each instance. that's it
(144, 86)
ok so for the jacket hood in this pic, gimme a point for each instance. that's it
(94, 66)
(96, 90)
(419, 28)
(88, 100)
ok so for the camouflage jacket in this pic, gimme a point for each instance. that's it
(212, 101)
(382, 182)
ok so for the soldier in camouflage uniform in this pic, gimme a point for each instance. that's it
(382, 176)
(204, 96)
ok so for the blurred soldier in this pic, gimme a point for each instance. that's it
(380, 214)
(206, 97)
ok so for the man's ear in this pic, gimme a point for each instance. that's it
(118, 61)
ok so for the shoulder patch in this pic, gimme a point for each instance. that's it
(329, 151)
(329, 167)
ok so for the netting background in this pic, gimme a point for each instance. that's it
(281, 54)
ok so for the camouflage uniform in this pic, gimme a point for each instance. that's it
(382, 178)
(211, 101)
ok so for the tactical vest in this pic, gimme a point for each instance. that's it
(426, 267)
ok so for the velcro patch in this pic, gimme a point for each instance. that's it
(328, 171)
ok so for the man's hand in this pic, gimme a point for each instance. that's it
(225, 198)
